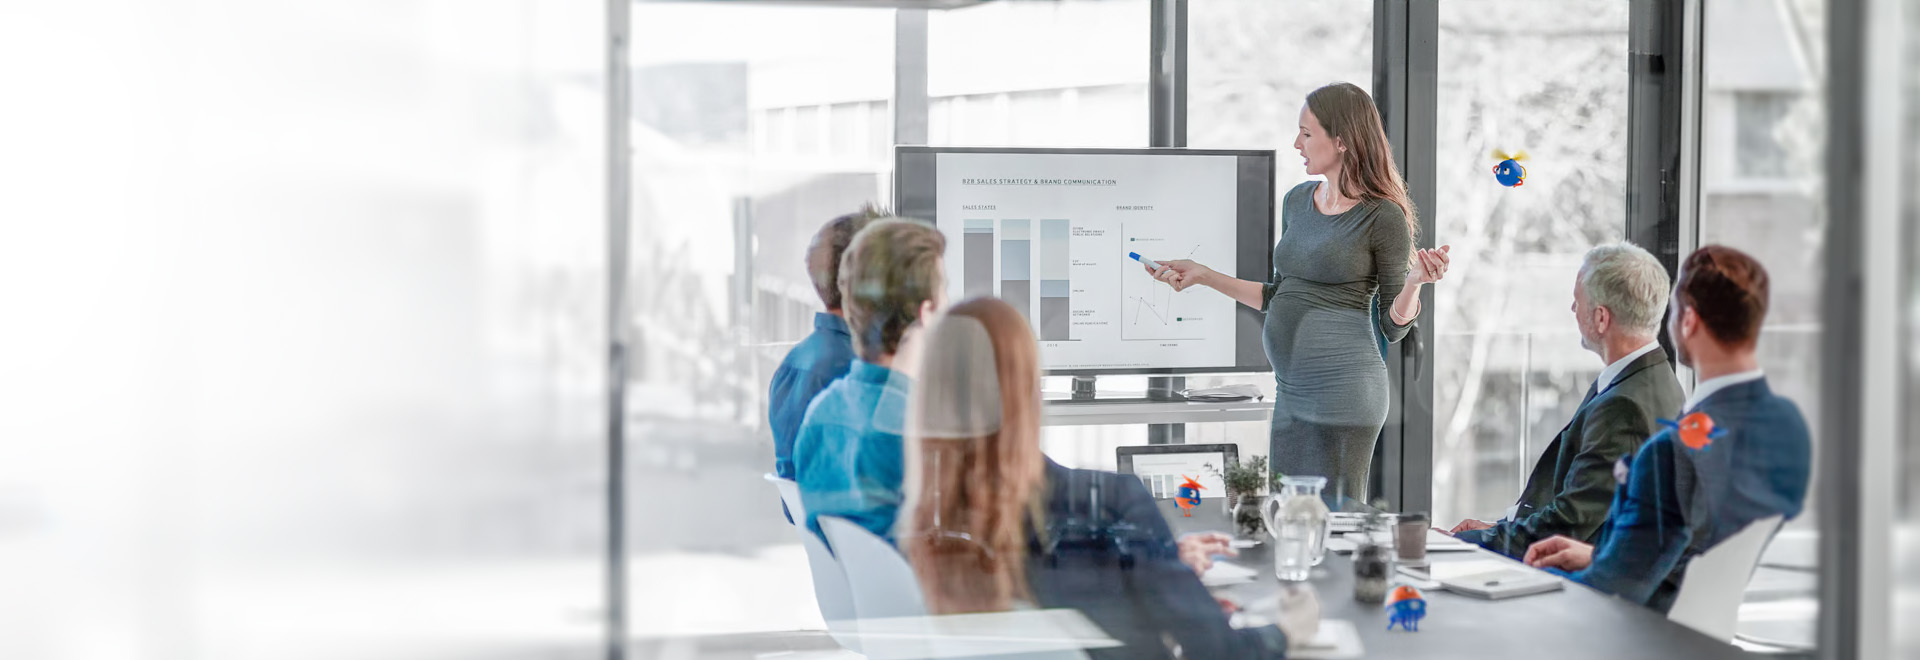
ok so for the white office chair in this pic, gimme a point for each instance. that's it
(830, 590)
(1709, 598)
(893, 611)
(883, 583)
(789, 493)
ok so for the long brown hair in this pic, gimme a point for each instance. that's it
(971, 500)
(1367, 170)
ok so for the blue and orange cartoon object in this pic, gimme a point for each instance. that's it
(1696, 431)
(1509, 172)
(1406, 608)
(1189, 496)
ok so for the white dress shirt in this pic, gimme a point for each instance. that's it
(1612, 372)
(1714, 385)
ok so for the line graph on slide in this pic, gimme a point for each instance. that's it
(1152, 308)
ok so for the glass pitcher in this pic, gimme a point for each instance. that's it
(1298, 520)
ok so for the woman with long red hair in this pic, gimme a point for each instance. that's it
(990, 524)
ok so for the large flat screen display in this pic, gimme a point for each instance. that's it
(1053, 232)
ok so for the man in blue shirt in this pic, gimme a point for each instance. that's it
(847, 455)
(1689, 488)
(824, 355)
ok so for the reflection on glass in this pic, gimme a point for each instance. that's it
(1762, 189)
(1251, 64)
(751, 130)
(335, 377)
(1071, 73)
(1045, 74)
(1550, 80)
(1906, 551)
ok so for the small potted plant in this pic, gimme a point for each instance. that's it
(1244, 480)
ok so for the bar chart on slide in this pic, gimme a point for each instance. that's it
(1016, 265)
(976, 271)
(1056, 286)
(1009, 259)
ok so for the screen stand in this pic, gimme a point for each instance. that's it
(1083, 388)
(1166, 388)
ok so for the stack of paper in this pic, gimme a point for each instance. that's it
(1338, 640)
(1225, 573)
(1438, 541)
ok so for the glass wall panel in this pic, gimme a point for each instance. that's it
(1250, 65)
(308, 359)
(1045, 74)
(1549, 80)
(1763, 191)
(1071, 73)
(750, 131)
(1906, 537)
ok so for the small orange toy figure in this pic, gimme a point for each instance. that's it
(1189, 496)
(1696, 431)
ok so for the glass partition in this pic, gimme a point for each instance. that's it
(1549, 80)
(1071, 73)
(1763, 191)
(313, 361)
(1906, 537)
(1251, 63)
(750, 131)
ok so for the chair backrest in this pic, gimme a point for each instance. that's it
(883, 583)
(1715, 582)
(789, 493)
(830, 588)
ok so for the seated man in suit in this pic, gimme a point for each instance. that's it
(1618, 298)
(1688, 489)
(823, 356)
(847, 456)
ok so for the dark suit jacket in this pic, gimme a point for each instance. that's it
(1680, 501)
(1572, 485)
(1108, 552)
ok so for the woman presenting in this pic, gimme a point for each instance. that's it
(1343, 241)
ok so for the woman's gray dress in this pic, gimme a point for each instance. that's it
(1330, 397)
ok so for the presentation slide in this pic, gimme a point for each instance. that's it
(1051, 234)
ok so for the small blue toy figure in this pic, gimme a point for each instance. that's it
(1509, 172)
(1189, 496)
(1407, 608)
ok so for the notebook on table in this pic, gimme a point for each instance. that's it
(1492, 579)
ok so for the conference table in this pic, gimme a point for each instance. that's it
(1573, 623)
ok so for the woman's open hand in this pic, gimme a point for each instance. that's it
(1428, 266)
